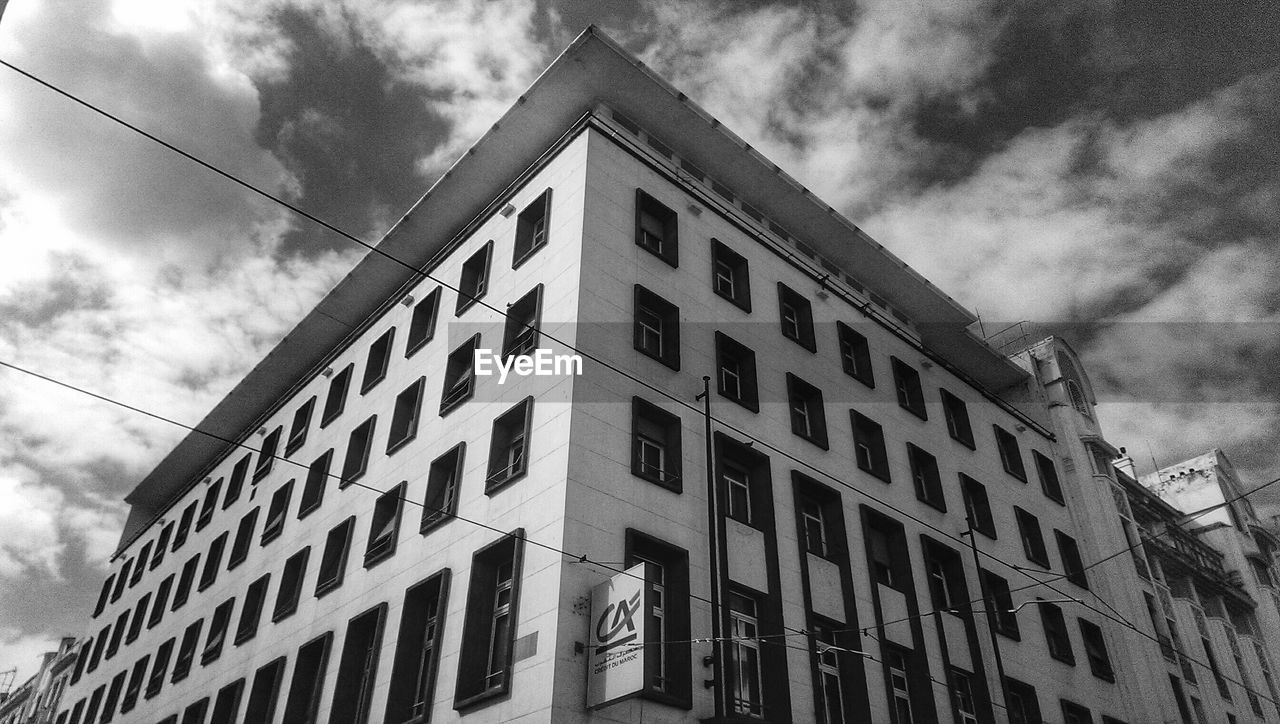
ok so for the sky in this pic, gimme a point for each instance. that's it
(1109, 172)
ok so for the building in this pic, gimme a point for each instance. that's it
(902, 522)
(37, 699)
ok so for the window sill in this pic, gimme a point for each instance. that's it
(743, 304)
(372, 383)
(672, 361)
(268, 537)
(294, 446)
(820, 442)
(324, 421)
(1063, 659)
(243, 637)
(436, 521)
(937, 505)
(371, 560)
(881, 475)
(304, 512)
(661, 697)
(324, 588)
(259, 474)
(393, 447)
(1020, 478)
(748, 404)
(1011, 635)
(670, 481)
(520, 260)
(494, 486)
(463, 306)
(870, 382)
(808, 344)
(413, 349)
(346, 480)
(278, 616)
(454, 404)
(922, 414)
(483, 698)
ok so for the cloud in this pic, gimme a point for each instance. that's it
(23, 650)
(29, 517)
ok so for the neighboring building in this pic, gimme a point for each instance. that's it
(38, 698)
(398, 538)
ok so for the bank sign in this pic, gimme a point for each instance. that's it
(616, 656)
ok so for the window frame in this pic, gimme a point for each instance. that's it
(341, 536)
(1032, 546)
(744, 358)
(235, 483)
(803, 309)
(264, 692)
(956, 412)
(422, 323)
(907, 388)
(266, 455)
(999, 600)
(185, 657)
(1050, 483)
(522, 330)
(352, 675)
(459, 375)
(355, 463)
(207, 509)
(161, 602)
(1072, 564)
(869, 434)
(418, 650)
(335, 400)
(186, 580)
(855, 354)
(508, 426)
(300, 427)
(408, 404)
(213, 562)
(378, 360)
(303, 704)
(1010, 453)
(313, 487)
(473, 278)
(387, 510)
(159, 669)
(527, 239)
(739, 275)
(219, 627)
(290, 592)
(1056, 637)
(980, 517)
(645, 301)
(1100, 660)
(741, 621)
(480, 635)
(434, 516)
(255, 601)
(243, 541)
(802, 394)
(669, 473)
(668, 248)
(926, 478)
(277, 514)
(672, 599)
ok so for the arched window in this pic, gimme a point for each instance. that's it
(1074, 386)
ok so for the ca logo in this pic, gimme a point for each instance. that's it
(619, 619)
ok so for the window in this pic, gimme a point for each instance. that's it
(238, 474)
(418, 647)
(999, 601)
(307, 683)
(336, 400)
(1073, 713)
(134, 688)
(443, 481)
(1072, 565)
(906, 382)
(855, 355)
(868, 446)
(385, 526)
(207, 508)
(313, 489)
(82, 658)
(295, 569)
(946, 577)
(184, 527)
(746, 693)
(251, 614)
(276, 513)
(267, 457)
(508, 446)
(186, 651)
(813, 526)
(194, 713)
(924, 474)
(962, 697)
(531, 228)
(113, 695)
(475, 278)
(657, 327)
(957, 414)
(161, 602)
(358, 667)
(1048, 477)
(301, 423)
(736, 372)
(91, 712)
(459, 375)
(156, 681)
(244, 536)
(212, 562)
(140, 566)
(977, 506)
(1024, 707)
(808, 416)
(1010, 456)
(358, 446)
(729, 275)
(797, 317)
(656, 229)
(1032, 539)
(667, 670)
(655, 444)
(407, 412)
(520, 334)
(333, 562)
(829, 688)
(104, 595)
(1055, 633)
(422, 326)
(227, 704)
(98, 647)
(264, 692)
(375, 367)
(218, 626)
(886, 551)
(162, 544)
(123, 578)
(1095, 648)
(139, 615)
(895, 663)
(488, 631)
(737, 492)
(185, 579)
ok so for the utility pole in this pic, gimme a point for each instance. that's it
(988, 604)
(713, 555)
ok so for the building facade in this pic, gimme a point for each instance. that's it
(37, 700)
(872, 515)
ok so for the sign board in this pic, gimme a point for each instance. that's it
(616, 655)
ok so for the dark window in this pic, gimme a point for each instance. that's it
(1048, 477)
(829, 686)
(925, 476)
(855, 355)
(385, 527)
(358, 667)
(244, 537)
(254, 599)
(156, 681)
(906, 382)
(520, 334)
(744, 482)
(238, 474)
(140, 566)
(358, 446)
(123, 578)
(264, 692)
(667, 671)
(212, 562)
(488, 631)
(815, 529)
(868, 446)
(797, 317)
(276, 513)
(207, 508)
(186, 651)
(509, 446)
(422, 326)
(117, 633)
(179, 538)
(736, 372)
(136, 677)
(946, 577)
(957, 414)
(808, 415)
(82, 658)
(656, 229)
(531, 228)
(1073, 713)
(333, 562)
(104, 595)
(307, 683)
(657, 327)
(1055, 633)
(405, 416)
(418, 648)
(1024, 707)
(977, 506)
(185, 579)
(95, 701)
(162, 545)
(336, 400)
(459, 375)
(227, 704)
(730, 276)
(999, 602)
(443, 482)
(896, 664)
(219, 624)
(98, 647)
(474, 281)
(966, 709)
(744, 665)
(295, 570)
(655, 444)
(1032, 538)
(1072, 564)
(267, 456)
(375, 366)
(1010, 455)
(301, 424)
(1095, 647)
(886, 551)
(194, 713)
(113, 695)
(317, 479)
(139, 615)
